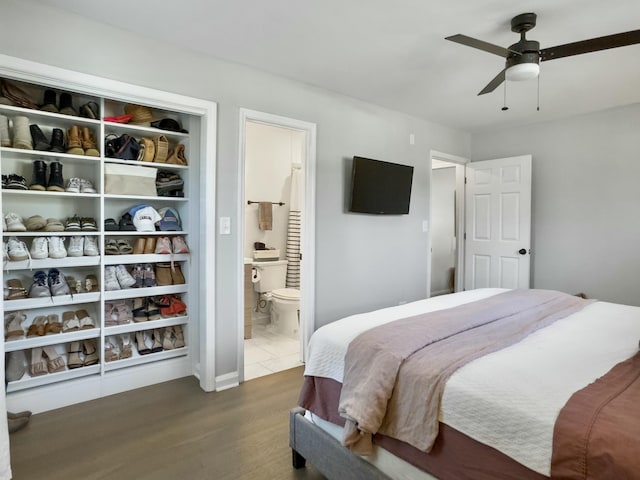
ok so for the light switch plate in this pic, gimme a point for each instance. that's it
(225, 225)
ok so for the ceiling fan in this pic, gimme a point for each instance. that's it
(523, 58)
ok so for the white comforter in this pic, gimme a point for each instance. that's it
(509, 399)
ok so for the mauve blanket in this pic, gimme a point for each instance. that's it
(395, 373)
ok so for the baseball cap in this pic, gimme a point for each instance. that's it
(145, 219)
(170, 220)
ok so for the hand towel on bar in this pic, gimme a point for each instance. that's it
(265, 215)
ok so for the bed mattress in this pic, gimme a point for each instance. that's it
(508, 400)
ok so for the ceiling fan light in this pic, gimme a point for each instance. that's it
(522, 71)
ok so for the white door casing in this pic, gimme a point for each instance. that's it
(498, 223)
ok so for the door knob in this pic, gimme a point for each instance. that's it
(522, 251)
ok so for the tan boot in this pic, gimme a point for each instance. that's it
(150, 245)
(89, 143)
(138, 246)
(74, 144)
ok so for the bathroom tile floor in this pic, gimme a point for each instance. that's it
(267, 352)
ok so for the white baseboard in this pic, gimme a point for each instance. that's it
(226, 381)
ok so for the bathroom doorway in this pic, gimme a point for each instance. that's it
(276, 249)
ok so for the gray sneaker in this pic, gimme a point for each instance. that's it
(40, 285)
(57, 283)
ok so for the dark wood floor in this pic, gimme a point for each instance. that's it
(172, 430)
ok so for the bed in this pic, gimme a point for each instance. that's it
(498, 413)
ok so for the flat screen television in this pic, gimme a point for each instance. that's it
(380, 187)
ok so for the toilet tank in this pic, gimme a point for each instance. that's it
(272, 275)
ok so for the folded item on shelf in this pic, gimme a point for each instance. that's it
(129, 180)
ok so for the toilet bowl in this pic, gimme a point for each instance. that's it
(285, 308)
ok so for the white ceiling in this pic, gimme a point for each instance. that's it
(393, 53)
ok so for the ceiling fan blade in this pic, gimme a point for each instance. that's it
(591, 45)
(481, 45)
(493, 84)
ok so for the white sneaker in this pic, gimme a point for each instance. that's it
(73, 185)
(56, 247)
(17, 250)
(14, 223)
(91, 247)
(39, 248)
(124, 277)
(4, 224)
(76, 246)
(86, 186)
(5, 251)
(110, 278)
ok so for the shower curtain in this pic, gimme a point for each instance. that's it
(293, 230)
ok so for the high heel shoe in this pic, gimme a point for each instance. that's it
(111, 350)
(157, 340)
(177, 331)
(125, 345)
(13, 325)
(168, 339)
(140, 344)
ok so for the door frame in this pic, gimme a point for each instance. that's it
(307, 237)
(460, 218)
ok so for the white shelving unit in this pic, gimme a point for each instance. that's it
(52, 390)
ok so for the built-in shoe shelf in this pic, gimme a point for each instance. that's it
(129, 259)
(45, 263)
(27, 381)
(52, 339)
(148, 325)
(44, 302)
(52, 119)
(144, 292)
(137, 359)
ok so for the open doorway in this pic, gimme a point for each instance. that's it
(277, 167)
(446, 244)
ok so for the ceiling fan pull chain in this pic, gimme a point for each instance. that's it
(504, 107)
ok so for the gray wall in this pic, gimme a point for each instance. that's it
(363, 262)
(586, 200)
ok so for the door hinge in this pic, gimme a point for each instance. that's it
(465, 180)
(465, 235)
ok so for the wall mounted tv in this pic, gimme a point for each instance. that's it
(380, 187)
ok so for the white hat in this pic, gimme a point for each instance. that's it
(145, 219)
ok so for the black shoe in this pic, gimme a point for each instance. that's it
(39, 180)
(5, 180)
(49, 104)
(90, 110)
(66, 108)
(40, 142)
(57, 141)
(16, 182)
(56, 182)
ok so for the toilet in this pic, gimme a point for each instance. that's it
(269, 279)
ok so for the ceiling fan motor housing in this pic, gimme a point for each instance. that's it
(529, 53)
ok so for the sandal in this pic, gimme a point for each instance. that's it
(140, 309)
(90, 352)
(125, 346)
(111, 247)
(140, 343)
(74, 356)
(38, 364)
(54, 325)
(91, 283)
(86, 322)
(111, 351)
(153, 310)
(13, 325)
(168, 339)
(74, 285)
(177, 331)
(157, 340)
(124, 313)
(16, 290)
(124, 247)
(70, 322)
(37, 328)
(55, 362)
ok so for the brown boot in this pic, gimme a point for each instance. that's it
(138, 247)
(150, 245)
(74, 144)
(89, 143)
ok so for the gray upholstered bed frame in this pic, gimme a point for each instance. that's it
(309, 442)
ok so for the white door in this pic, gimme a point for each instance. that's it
(498, 223)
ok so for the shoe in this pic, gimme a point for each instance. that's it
(126, 223)
(15, 289)
(74, 144)
(53, 325)
(143, 349)
(138, 246)
(123, 313)
(73, 185)
(39, 248)
(89, 143)
(39, 178)
(17, 250)
(21, 133)
(88, 224)
(168, 182)
(38, 365)
(74, 356)
(150, 245)
(56, 248)
(35, 223)
(124, 247)
(177, 331)
(14, 223)
(124, 277)
(178, 245)
(91, 283)
(5, 251)
(37, 327)
(140, 309)
(177, 278)
(110, 278)
(38, 138)
(138, 275)
(16, 182)
(57, 141)
(70, 323)
(15, 368)
(57, 283)
(76, 246)
(55, 363)
(13, 325)
(40, 285)
(149, 276)
(90, 110)
(86, 186)
(163, 274)
(157, 340)
(110, 225)
(56, 182)
(5, 139)
(163, 246)
(72, 224)
(66, 105)
(49, 103)
(54, 225)
(168, 339)
(91, 246)
(125, 345)
(86, 322)
(111, 349)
